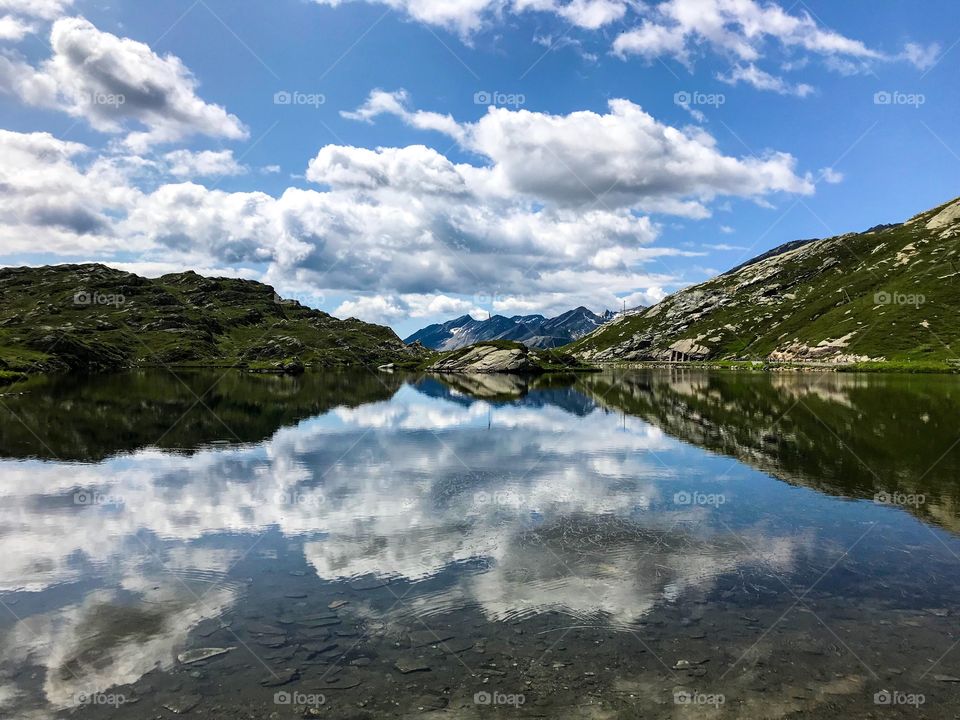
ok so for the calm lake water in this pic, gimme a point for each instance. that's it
(656, 544)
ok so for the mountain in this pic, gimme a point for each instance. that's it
(92, 317)
(890, 293)
(531, 330)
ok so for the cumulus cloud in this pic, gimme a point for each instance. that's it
(13, 28)
(48, 195)
(553, 216)
(206, 163)
(623, 158)
(112, 82)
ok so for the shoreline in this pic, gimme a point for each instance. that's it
(900, 367)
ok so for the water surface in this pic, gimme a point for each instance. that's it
(625, 544)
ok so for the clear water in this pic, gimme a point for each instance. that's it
(625, 544)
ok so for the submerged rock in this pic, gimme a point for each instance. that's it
(182, 704)
(198, 654)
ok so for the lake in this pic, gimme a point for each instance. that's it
(625, 544)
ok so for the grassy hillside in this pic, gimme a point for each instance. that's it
(91, 317)
(888, 294)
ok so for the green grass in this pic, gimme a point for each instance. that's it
(9, 377)
(180, 320)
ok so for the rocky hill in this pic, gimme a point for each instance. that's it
(531, 330)
(505, 356)
(92, 317)
(888, 294)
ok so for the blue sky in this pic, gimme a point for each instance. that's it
(441, 157)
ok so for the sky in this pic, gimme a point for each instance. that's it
(409, 161)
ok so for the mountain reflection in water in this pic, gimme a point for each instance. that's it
(651, 511)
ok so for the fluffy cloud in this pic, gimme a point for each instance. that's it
(12, 28)
(49, 196)
(43, 9)
(207, 163)
(554, 217)
(741, 30)
(111, 82)
(624, 158)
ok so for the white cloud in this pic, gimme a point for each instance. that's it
(406, 232)
(744, 31)
(12, 28)
(206, 163)
(762, 80)
(110, 82)
(468, 16)
(43, 9)
(920, 56)
(829, 175)
(50, 201)
(624, 158)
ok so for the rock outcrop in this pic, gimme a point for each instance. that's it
(505, 357)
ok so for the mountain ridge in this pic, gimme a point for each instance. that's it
(879, 296)
(531, 330)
